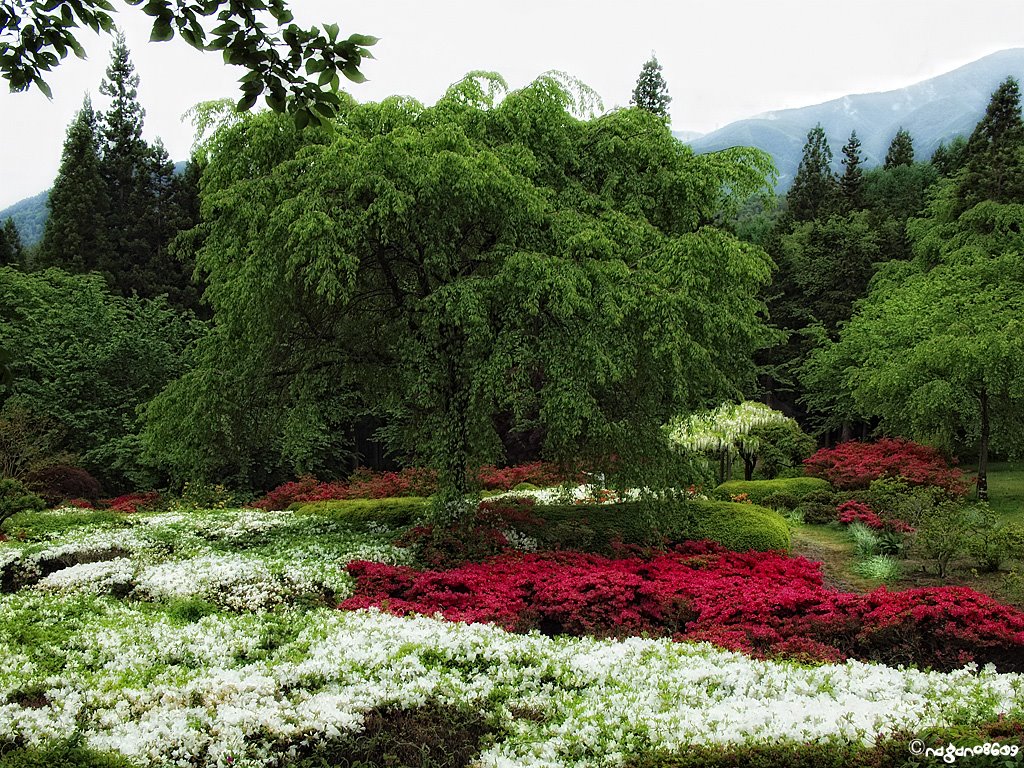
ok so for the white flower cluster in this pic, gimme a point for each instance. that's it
(233, 581)
(97, 578)
(242, 685)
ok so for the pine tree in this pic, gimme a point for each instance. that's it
(901, 150)
(75, 234)
(950, 158)
(651, 91)
(851, 183)
(124, 169)
(814, 186)
(12, 252)
(994, 156)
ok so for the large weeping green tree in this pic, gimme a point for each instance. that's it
(493, 257)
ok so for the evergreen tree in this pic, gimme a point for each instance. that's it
(814, 187)
(75, 234)
(901, 149)
(124, 169)
(12, 252)
(950, 158)
(994, 165)
(651, 91)
(852, 181)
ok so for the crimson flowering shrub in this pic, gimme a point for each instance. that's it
(764, 604)
(858, 512)
(854, 465)
(412, 481)
(132, 502)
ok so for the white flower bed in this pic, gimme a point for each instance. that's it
(103, 577)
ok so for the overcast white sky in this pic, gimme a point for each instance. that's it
(723, 59)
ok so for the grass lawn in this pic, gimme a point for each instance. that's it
(1006, 490)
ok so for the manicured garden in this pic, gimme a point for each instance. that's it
(563, 626)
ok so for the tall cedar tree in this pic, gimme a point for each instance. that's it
(901, 150)
(651, 91)
(75, 237)
(12, 253)
(950, 158)
(994, 167)
(814, 187)
(851, 183)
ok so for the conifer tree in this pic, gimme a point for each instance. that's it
(12, 252)
(852, 181)
(814, 186)
(901, 150)
(651, 91)
(994, 165)
(75, 234)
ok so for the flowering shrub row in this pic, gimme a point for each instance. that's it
(765, 604)
(132, 502)
(858, 512)
(854, 465)
(412, 481)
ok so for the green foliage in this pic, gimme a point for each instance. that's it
(819, 506)
(994, 155)
(114, 355)
(511, 259)
(944, 534)
(391, 512)
(879, 568)
(813, 193)
(738, 526)
(780, 500)
(865, 540)
(651, 91)
(34, 525)
(851, 183)
(12, 251)
(948, 159)
(16, 498)
(781, 447)
(67, 754)
(901, 150)
(992, 541)
(279, 55)
(75, 234)
(759, 490)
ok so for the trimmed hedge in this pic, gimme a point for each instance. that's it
(595, 527)
(66, 754)
(394, 512)
(757, 490)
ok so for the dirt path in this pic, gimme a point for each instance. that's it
(836, 557)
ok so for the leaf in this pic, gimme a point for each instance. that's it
(363, 39)
(246, 102)
(332, 31)
(351, 71)
(162, 31)
(302, 117)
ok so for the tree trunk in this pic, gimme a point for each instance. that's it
(749, 462)
(983, 448)
(847, 432)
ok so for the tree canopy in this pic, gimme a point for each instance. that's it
(259, 36)
(443, 267)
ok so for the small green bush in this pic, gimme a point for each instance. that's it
(758, 490)
(526, 487)
(16, 498)
(393, 512)
(818, 507)
(780, 500)
(67, 754)
(739, 526)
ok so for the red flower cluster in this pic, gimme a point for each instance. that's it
(855, 465)
(132, 502)
(859, 512)
(765, 604)
(367, 484)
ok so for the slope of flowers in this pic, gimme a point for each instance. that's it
(255, 687)
(854, 465)
(764, 604)
(367, 484)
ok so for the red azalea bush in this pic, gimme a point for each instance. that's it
(132, 502)
(412, 481)
(854, 465)
(858, 512)
(765, 604)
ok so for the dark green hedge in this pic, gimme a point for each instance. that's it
(393, 512)
(757, 490)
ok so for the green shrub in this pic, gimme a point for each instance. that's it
(36, 525)
(526, 487)
(739, 526)
(595, 527)
(758, 490)
(893, 498)
(68, 754)
(780, 500)
(393, 512)
(880, 568)
(865, 540)
(16, 498)
(818, 507)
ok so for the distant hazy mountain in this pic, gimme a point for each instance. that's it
(29, 217)
(934, 111)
